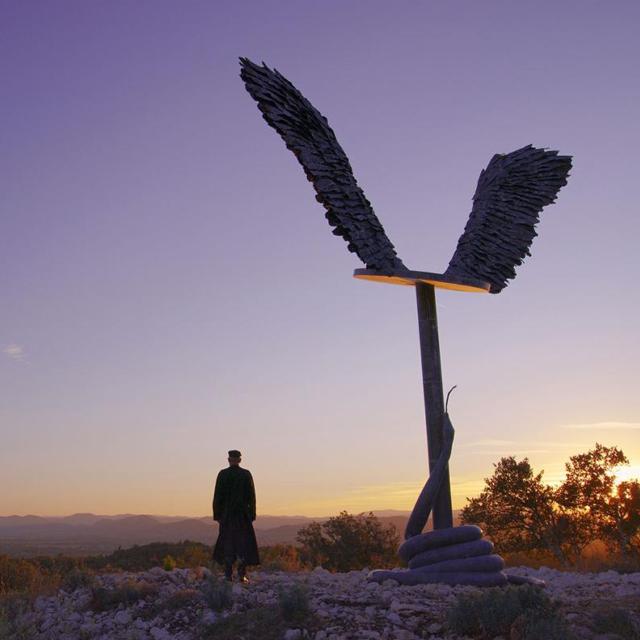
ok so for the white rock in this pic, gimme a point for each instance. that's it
(40, 603)
(47, 623)
(210, 617)
(394, 618)
(122, 617)
(387, 595)
(160, 634)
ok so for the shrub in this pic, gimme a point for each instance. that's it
(144, 557)
(217, 593)
(13, 624)
(618, 621)
(77, 579)
(524, 613)
(42, 574)
(127, 594)
(175, 602)
(168, 563)
(181, 599)
(281, 557)
(530, 627)
(294, 602)
(265, 623)
(346, 542)
(17, 575)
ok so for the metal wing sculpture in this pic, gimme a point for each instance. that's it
(307, 133)
(511, 193)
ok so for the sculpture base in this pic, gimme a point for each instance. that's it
(454, 556)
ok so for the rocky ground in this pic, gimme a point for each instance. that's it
(164, 605)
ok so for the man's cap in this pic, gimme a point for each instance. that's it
(234, 453)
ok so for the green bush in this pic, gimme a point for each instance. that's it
(169, 563)
(522, 613)
(294, 602)
(217, 593)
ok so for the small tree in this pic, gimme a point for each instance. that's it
(589, 491)
(517, 511)
(521, 513)
(346, 542)
(622, 528)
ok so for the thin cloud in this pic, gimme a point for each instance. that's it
(603, 425)
(489, 442)
(14, 351)
(514, 452)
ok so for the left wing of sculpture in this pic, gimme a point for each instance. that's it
(511, 193)
(307, 133)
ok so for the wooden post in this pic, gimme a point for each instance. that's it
(433, 396)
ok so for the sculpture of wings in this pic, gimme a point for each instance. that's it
(307, 133)
(510, 195)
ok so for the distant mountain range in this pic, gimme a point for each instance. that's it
(88, 533)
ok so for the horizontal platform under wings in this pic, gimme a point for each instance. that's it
(437, 280)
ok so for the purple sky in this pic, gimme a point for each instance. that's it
(170, 288)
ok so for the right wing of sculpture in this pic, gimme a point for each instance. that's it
(511, 193)
(307, 133)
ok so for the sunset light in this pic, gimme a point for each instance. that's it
(214, 423)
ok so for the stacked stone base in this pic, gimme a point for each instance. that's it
(458, 555)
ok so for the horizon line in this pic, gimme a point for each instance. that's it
(191, 517)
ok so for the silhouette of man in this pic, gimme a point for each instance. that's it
(234, 508)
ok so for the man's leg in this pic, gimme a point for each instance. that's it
(228, 569)
(242, 570)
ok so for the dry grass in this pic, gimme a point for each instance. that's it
(595, 558)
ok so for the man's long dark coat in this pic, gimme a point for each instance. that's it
(234, 507)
